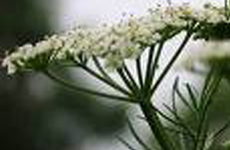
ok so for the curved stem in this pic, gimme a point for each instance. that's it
(177, 122)
(88, 91)
(128, 145)
(136, 136)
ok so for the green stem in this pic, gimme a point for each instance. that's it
(87, 91)
(103, 72)
(105, 80)
(213, 81)
(125, 79)
(129, 146)
(156, 61)
(131, 78)
(139, 72)
(156, 126)
(212, 91)
(148, 67)
(148, 82)
(136, 136)
(177, 122)
(100, 68)
(170, 63)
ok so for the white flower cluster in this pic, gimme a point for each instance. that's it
(115, 43)
(33, 57)
(212, 52)
(210, 14)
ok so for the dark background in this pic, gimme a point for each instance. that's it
(35, 115)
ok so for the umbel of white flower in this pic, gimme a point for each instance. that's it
(115, 43)
(213, 52)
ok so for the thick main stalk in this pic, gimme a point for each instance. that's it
(156, 126)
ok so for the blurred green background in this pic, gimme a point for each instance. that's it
(35, 113)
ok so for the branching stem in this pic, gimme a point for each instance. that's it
(170, 63)
(105, 80)
(88, 91)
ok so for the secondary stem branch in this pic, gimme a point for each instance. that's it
(170, 63)
(88, 91)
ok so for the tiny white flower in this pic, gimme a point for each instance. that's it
(114, 43)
